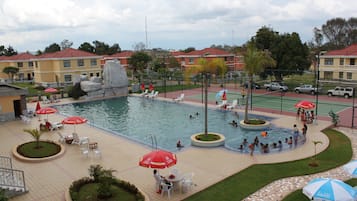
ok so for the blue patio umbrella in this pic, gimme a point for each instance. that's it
(351, 168)
(329, 190)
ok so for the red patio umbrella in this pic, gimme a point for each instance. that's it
(158, 159)
(74, 120)
(46, 111)
(51, 90)
(304, 104)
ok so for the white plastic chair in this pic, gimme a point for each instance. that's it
(148, 95)
(166, 187)
(187, 182)
(79, 140)
(61, 139)
(45, 100)
(154, 95)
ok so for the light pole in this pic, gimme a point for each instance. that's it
(317, 79)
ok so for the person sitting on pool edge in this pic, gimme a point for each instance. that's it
(179, 145)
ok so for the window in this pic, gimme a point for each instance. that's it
(30, 64)
(36, 64)
(342, 61)
(328, 75)
(80, 62)
(93, 62)
(66, 63)
(97, 74)
(90, 74)
(190, 60)
(68, 78)
(340, 75)
(329, 61)
(20, 64)
(349, 76)
(352, 61)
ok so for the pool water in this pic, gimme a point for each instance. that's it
(146, 121)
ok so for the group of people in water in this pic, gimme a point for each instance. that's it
(266, 148)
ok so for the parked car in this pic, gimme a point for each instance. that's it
(307, 88)
(274, 86)
(253, 86)
(346, 92)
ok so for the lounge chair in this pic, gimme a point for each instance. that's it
(145, 92)
(57, 125)
(79, 140)
(61, 139)
(156, 93)
(234, 105)
(180, 98)
(222, 104)
(148, 95)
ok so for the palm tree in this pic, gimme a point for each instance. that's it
(206, 68)
(36, 134)
(255, 62)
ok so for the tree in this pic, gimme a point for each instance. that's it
(114, 49)
(255, 62)
(138, 62)
(139, 47)
(36, 134)
(66, 44)
(189, 49)
(54, 47)
(11, 72)
(87, 47)
(290, 54)
(337, 33)
(9, 51)
(207, 68)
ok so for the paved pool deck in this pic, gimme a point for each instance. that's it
(49, 181)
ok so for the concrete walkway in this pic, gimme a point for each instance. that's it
(50, 180)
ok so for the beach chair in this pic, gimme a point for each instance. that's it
(222, 104)
(61, 139)
(148, 95)
(145, 92)
(234, 105)
(180, 98)
(57, 125)
(156, 93)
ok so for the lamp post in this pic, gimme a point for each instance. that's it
(317, 79)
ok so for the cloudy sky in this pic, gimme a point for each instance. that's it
(31, 25)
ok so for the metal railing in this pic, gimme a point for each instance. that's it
(12, 179)
(5, 162)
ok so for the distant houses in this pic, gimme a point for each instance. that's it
(339, 65)
(62, 67)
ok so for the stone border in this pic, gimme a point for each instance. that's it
(254, 127)
(199, 143)
(36, 160)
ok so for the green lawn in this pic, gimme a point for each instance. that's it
(248, 181)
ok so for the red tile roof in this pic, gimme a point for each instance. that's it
(67, 53)
(209, 52)
(18, 57)
(124, 54)
(348, 51)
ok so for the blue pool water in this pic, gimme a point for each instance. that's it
(139, 119)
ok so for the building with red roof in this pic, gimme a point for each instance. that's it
(339, 65)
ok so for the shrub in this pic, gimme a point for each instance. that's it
(75, 91)
(2, 195)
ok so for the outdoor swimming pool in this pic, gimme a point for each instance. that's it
(140, 118)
